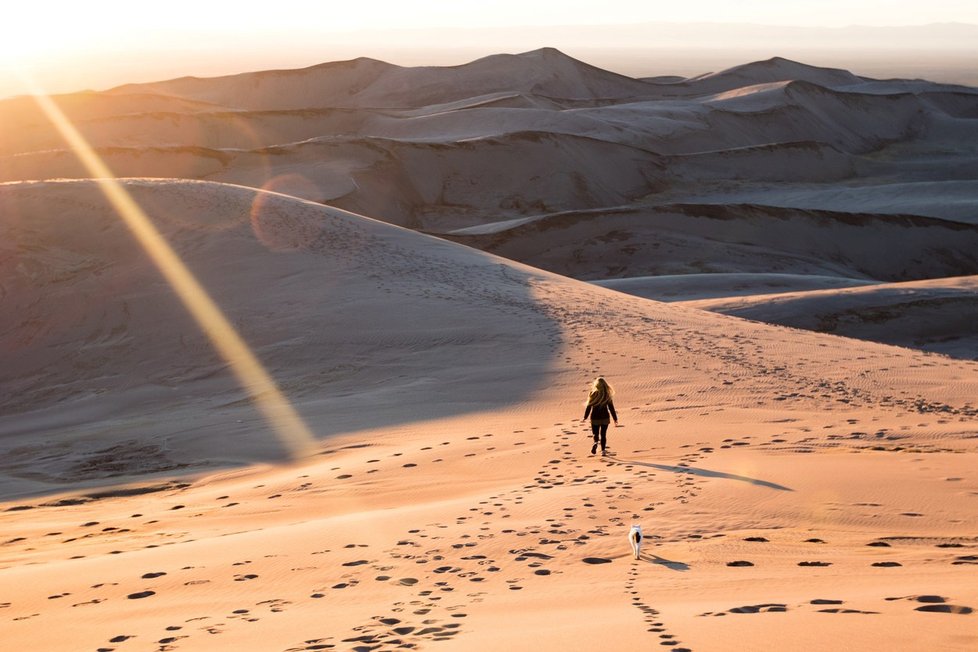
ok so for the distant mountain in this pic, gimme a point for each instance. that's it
(366, 83)
(776, 69)
(507, 136)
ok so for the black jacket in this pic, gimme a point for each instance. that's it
(599, 413)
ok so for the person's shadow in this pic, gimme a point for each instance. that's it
(705, 473)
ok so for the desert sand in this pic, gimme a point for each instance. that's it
(799, 490)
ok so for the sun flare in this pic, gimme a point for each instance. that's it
(294, 434)
(17, 49)
(30, 37)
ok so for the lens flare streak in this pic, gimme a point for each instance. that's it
(293, 432)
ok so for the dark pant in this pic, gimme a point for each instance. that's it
(600, 430)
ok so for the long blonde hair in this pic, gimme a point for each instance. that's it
(601, 392)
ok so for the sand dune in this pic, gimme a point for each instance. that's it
(92, 332)
(950, 200)
(453, 500)
(798, 490)
(694, 287)
(509, 136)
(776, 69)
(934, 315)
(696, 239)
(374, 84)
(26, 129)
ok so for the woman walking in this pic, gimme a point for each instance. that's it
(601, 409)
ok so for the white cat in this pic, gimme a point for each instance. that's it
(635, 538)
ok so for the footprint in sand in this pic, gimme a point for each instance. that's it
(945, 609)
(760, 608)
(312, 645)
(140, 595)
(748, 609)
(651, 615)
(936, 604)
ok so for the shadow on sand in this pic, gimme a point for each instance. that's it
(672, 565)
(705, 473)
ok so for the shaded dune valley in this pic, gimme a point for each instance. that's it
(774, 265)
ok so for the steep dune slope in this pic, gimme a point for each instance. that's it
(695, 287)
(94, 337)
(705, 238)
(952, 200)
(336, 305)
(931, 315)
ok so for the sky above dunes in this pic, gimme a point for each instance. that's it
(72, 46)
